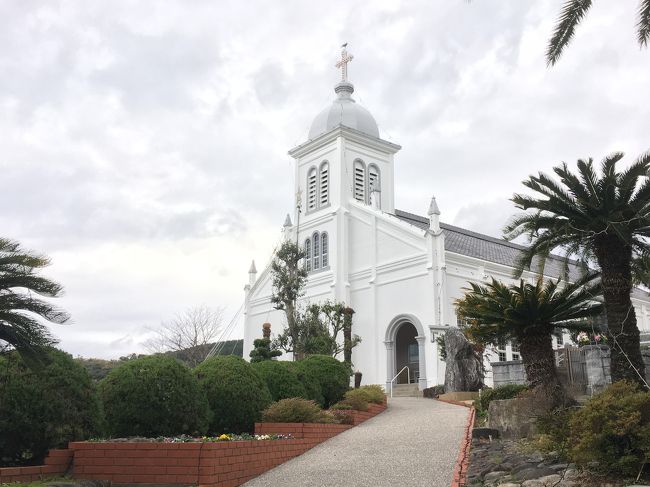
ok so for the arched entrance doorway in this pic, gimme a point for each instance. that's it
(407, 357)
(405, 342)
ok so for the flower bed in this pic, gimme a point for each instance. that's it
(57, 463)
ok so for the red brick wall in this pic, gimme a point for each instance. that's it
(221, 464)
(56, 464)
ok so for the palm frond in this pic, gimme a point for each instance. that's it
(644, 23)
(573, 11)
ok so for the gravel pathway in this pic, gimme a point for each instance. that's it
(413, 443)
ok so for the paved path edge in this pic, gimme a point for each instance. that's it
(462, 462)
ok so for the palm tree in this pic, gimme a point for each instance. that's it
(529, 314)
(19, 305)
(603, 219)
(572, 13)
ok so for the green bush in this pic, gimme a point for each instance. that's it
(293, 410)
(504, 392)
(373, 393)
(153, 396)
(357, 399)
(236, 393)
(44, 408)
(613, 429)
(282, 382)
(332, 375)
(309, 379)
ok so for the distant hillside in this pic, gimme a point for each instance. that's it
(99, 368)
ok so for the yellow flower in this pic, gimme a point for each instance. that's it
(224, 437)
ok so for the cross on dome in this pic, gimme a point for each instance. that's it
(343, 63)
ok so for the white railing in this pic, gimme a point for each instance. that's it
(408, 371)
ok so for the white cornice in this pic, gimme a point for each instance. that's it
(349, 134)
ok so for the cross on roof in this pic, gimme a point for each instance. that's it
(343, 63)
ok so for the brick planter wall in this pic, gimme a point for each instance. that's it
(462, 462)
(57, 463)
(220, 464)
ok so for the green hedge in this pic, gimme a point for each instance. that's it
(309, 379)
(44, 408)
(282, 382)
(153, 396)
(236, 393)
(504, 392)
(332, 375)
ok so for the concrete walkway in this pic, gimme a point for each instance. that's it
(414, 442)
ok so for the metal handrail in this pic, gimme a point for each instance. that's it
(408, 372)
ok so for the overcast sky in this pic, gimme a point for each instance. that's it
(143, 145)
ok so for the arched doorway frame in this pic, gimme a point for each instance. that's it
(389, 341)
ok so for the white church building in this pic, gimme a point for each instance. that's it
(400, 272)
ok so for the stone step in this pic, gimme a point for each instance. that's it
(406, 390)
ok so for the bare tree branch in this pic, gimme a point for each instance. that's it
(188, 334)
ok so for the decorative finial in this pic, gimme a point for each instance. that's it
(252, 270)
(343, 63)
(287, 221)
(433, 207)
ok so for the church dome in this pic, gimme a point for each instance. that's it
(344, 111)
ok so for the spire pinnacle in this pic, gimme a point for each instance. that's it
(252, 269)
(287, 221)
(433, 207)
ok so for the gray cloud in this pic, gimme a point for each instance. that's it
(144, 144)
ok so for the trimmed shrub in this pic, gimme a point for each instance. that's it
(293, 410)
(236, 393)
(374, 393)
(282, 382)
(153, 396)
(44, 408)
(504, 392)
(309, 379)
(613, 429)
(332, 375)
(357, 399)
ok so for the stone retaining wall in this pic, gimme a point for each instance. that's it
(57, 463)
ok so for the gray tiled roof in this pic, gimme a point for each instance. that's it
(484, 247)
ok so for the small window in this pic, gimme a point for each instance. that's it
(414, 355)
(324, 248)
(324, 184)
(316, 253)
(308, 255)
(560, 339)
(359, 181)
(514, 346)
(374, 183)
(311, 190)
(501, 351)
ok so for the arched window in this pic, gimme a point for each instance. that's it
(316, 252)
(359, 181)
(324, 184)
(308, 255)
(311, 189)
(324, 249)
(374, 182)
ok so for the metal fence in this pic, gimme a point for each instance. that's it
(572, 367)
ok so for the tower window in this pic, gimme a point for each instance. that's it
(359, 181)
(308, 255)
(316, 256)
(311, 189)
(324, 184)
(374, 183)
(324, 246)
